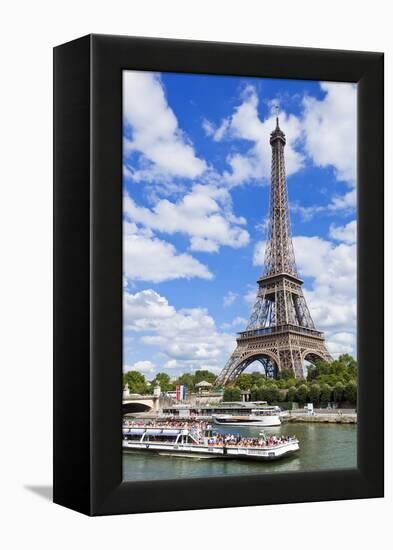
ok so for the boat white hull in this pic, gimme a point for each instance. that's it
(210, 451)
(264, 422)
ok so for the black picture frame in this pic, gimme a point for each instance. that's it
(88, 273)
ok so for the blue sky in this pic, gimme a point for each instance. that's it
(196, 196)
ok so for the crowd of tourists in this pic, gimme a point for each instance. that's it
(167, 423)
(238, 441)
(198, 429)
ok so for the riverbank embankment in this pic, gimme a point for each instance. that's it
(330, 418)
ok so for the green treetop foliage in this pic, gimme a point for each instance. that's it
(232, 393)
(338, 392)
(286, 374)
(187, 379)
(285, 384)
(255, 393)
(257, 378)
(343, 369)
(314, 393)
(350, 392)
(190, 380)
(291, 394)
(204, 375)
(262, 393)
(272, 393)
(336, 381)
(247, 381)
(163, 379)
(302, 393)
(326, 393)
(326, 382)
(244, 381)
(136, 382)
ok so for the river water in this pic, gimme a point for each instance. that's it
(322, 447)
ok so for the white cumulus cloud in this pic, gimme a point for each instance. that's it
(156, 134)
(236, 322)
(332, 297)
(142, 366)
(345, 233)
(216, 132)
(259, 253)
(330, 128)
(246, 124)
(147, 258)
(229, 298)
(343, 202)
(204, 214)
(187, 338)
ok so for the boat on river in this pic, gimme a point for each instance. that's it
(197, 442)
(263, 416)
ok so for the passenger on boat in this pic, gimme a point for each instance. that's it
(193, 425)
(231, 439)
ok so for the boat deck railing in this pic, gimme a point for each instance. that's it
(224, 444)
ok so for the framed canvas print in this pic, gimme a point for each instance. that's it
(218, 275)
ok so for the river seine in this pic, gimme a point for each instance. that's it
(322, 447)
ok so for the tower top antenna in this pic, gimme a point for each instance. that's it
(277, 110)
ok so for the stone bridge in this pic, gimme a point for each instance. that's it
(133, 403)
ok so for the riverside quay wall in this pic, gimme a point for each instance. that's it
(322, 417)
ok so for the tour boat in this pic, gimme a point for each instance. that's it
(266, 416)
(195, 443)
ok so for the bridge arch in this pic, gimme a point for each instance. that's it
(135, 407)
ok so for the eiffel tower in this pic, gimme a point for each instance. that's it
(280, 333)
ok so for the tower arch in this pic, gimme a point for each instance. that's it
(268, 359)
(312, 355)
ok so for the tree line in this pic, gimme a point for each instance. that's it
(137, 382)
(325, 382)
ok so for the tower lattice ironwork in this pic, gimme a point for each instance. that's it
(280, 332)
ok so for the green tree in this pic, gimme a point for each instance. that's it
(349, 362)
(285, 384)
(263, 393)
(338, 392)
(257, 378)
(244, 381)
(343, 369)
(350, 392)
(315, 393)
(326, 394)
(136, 382)
(186, 379)
(205, 375)
(286, 374)
(163, 379)
(255, 393)
(318, 369)
(351, 365)
(302, 393)
(272, 393)
(291, 394)
(232, 393)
